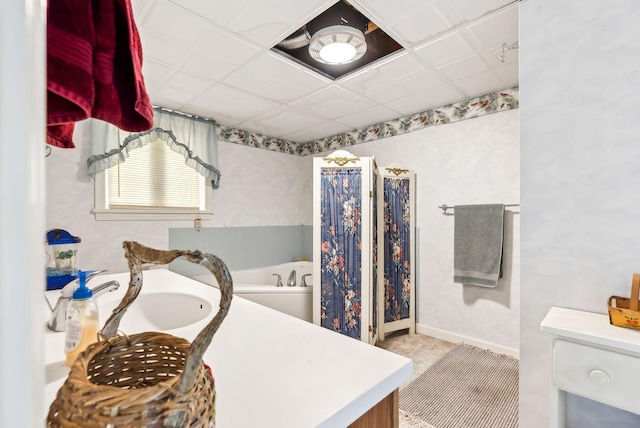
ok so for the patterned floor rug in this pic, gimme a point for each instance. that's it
(469, 387)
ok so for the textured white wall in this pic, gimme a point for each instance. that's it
(262, 188)
(580, 181)
(468, 162)
(22, 135)
(258, 188)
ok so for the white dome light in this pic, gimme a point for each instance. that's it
(337, 53)
(338, 44)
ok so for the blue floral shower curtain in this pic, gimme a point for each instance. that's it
(397, 249)
(341, 253)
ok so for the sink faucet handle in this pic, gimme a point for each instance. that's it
(92, 273)
(304, 282)
(67, 290)
(279, 282)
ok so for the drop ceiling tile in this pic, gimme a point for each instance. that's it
(283, 72)
(395, 90)
(219, 55)
(213, 10)
(331, 103)
(479, 84)
(299, 136)
(220, 118)
(198, 111)
(322, 130)
(367, 117)
(154, 73)
(424, 23)
(265, 23)
(281, 121)
(138, 6)
(207, 66)
(379, 76)
(472, 9)
(248, 80)
(393, 12)
(445, 49)
(168, 101)
(161, 49)
(496, 28)
(222, 98)
(281, 94)
(181, 88)
(425, 100)
(255, 107)
(509, 74)
(229, 48)
(255, 83)
(189, 82)
(223, 67)
(331, 93)
(266, 35)
(175, 95)
(463, 68)
(334, 109)
(171, 20)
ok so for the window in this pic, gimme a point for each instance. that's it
(154, 183)
(165, 173)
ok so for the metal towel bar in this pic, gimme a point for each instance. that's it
(445, 207)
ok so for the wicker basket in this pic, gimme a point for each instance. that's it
(146, 379)
(623, 312)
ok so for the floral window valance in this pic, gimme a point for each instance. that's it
(195, 138)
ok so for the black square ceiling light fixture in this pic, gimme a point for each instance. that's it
(338, 41)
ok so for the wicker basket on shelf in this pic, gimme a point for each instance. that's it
(624, 312)
(147, 379)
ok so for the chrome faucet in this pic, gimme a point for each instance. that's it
(58, 320)
(291, 282)
(304, 282)
(279, 282)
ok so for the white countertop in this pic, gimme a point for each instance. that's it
(590, 327)
(271, 369)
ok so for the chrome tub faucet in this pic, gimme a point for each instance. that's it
(291, 282)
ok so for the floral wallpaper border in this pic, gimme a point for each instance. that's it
(474, 107)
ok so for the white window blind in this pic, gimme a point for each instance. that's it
(154, 176)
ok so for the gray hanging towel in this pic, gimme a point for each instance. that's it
(477, 245)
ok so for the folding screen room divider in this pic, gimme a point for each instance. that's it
(363, 246)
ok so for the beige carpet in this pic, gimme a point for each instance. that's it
(468, 387)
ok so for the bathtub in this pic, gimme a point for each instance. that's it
(259, 285)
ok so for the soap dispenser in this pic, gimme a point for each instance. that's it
(82, 320)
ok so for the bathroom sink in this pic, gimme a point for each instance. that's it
(168, 303)
(158, 311)
(162, 311)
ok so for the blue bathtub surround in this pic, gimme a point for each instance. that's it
(242, 247)
(474, 107)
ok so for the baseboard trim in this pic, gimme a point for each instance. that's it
(450, 336)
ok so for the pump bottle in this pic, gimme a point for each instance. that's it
(82, 320)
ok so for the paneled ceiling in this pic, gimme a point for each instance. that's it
(214, 58)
